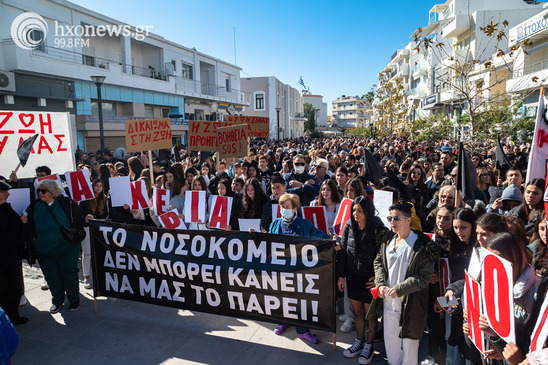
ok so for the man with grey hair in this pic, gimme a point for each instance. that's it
(321, 170)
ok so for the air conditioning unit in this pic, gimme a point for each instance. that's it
(7, 81)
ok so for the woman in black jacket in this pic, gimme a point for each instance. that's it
(355, 270)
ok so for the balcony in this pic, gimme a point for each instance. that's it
(59, 54)
(457, 26)
(404, 70)
(522, 79)
(420, 69)
(400, 54)
(457, 59)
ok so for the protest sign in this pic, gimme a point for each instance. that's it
(497, 289)
(383, 200)
(19, 199)
(54, 177)
(195, 206)
(160, 200)
(472, 303)
(202, 135)
(256, 126)
(276, 211)
(274, 278)
(317, 216)
(232, 141)
(53, 147)
(139, 195)
(79, 184)
(444, 274)
(148, 134)
(120, 191)
(221, 209)
(343, 215)
(247, 224)
(171, 220)
(540, 333)
(538, 357)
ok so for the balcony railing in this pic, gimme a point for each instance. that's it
(539, 66)
(201, 89)
(60, 54)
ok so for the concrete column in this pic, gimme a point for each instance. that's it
(125, 45)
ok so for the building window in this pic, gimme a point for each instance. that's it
(38, 36)
(227, 83)
(165, 112)
(109, 109)
(259, 101)
(187, 71)
(174, 65)
(149, 111)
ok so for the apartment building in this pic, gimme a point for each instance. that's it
(146, 76)
(530, 68)
(351, 112)
(321, 107)
(280, 102)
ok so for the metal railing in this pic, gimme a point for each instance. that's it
(60, 54)
(539, 66)
(204, 89)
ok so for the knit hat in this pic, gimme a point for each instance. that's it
(513, 193)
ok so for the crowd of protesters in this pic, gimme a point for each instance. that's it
(399, 261)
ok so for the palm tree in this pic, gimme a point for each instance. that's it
(310, 114)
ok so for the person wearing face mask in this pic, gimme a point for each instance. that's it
(292, 225)
(301, 183)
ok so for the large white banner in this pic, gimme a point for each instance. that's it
(53, 147)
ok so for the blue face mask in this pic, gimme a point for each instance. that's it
(286, 213)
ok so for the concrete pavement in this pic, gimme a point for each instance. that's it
(125, 332)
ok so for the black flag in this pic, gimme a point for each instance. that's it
(373, 169)
(500, 157)
(23, 151)
(467, 179)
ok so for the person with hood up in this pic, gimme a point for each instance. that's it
(511, 198)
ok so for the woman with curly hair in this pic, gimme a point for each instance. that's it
(253, 199)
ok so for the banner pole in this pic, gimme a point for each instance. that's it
(334, 341)
(95, 304)
(17, 168)
(151, 167)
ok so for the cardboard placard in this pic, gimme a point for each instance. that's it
(497, 288)
(160, 200)
(343, 215)
(19, 199)
(221, 209)
(383, 200)
(139, 195)
(195, 203)
(444, 274)
(540, 333)
(53, 147)
(148, 134)
(232, 141)
(120, 191)
(202, 135)
(54, 177)
(247, 224)
(256, 126)
(317, 216)
(276, 211)
(171, 220)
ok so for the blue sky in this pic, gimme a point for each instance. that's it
(337, 46)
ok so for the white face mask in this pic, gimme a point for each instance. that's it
(286, 213)
(299, 170)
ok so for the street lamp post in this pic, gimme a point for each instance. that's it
(278, 124)
(98, 80)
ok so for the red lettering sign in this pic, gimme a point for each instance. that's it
(160, 200)
(445, 274)
(343, 215)
(497, 289)
(171, 220)
(317, 216)
(220, 212)
(472, 292)
(139, 195)
(195, 203)
(79, 185)
(540, 333)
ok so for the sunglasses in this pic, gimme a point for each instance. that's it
(319, 167)
(299, 163)
(447, 197)
(396, 218)
(485, 174)
(43, 191)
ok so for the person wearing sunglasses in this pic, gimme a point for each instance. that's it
(58, 257)
(301, 183)
(403, 269)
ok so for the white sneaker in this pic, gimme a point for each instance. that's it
(428, 361)
(343, 317)
(348, 325)
(87, 284)
(367, 354)
(23, 301)
(355, 349)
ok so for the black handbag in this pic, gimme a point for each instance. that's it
(71, 234)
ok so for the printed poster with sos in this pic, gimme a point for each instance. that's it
(53, 147)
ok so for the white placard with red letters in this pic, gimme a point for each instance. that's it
(444, 274)
(195, 206)
(54, 177)
(79, 184)
(221, 209)
(139, 195)
(160, 200)
(540, 333)
(171, 220)
(472, 304)
(120, 191)
(343, 215)
(497, 286)
(317, 216)
(276, 211)
(53, 147)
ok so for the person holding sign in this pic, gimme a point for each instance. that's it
(223, 189)
(355, 271)
(253, 201)
(292, 225)
(58, 257)
(526, 284)
(329, 198)
(403, 268)
(94, 209)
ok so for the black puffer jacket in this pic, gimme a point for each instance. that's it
(357, 257)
